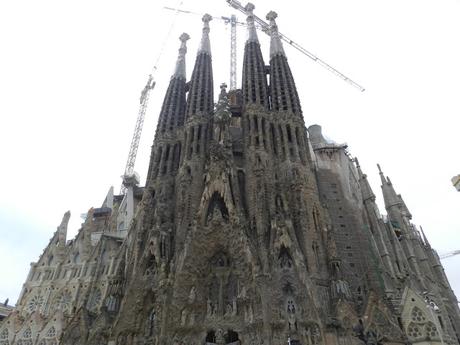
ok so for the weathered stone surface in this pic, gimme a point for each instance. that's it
(250, 230)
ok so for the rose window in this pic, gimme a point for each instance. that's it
(35, 303)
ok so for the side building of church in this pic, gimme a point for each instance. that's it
(251, 229)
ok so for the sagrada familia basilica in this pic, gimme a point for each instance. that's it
(251, 229)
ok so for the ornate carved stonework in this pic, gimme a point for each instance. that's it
(250, 230)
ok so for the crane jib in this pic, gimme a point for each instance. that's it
(265, 28)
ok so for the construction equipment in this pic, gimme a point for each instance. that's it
(232, 20)
(144, 100)
(130, 177)
(449, 254)
(266, 28)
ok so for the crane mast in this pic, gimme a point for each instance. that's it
(130, 177)
(233, 52)
(144, 100)
(265, 28)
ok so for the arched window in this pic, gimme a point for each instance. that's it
(217, 206)
(231, 337)
(112, 303)
(284, 258)
(211, 337)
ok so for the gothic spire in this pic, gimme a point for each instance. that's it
(284, 95)
(62, 229)
(201, 96)
(252, 32)
(205, 45)
(366, 189)
(425, 240)
(276, 47)
(173, 109)
(179, 72)
(255, 88)
(382, 177)
(390, 196)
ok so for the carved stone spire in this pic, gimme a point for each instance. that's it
(252, 32)
(62, 229)
(425, 239)
(255, 89)
(205, 45)
(173, 109)
(366, 189)
(389, 194)
(284, 95)
(276, 47)
(179, 72)
(382, 177)
(201, 95)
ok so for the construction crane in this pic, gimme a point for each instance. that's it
(129, 174)
(130, 177)
(232, 20)
(266, 28)
(449, 254)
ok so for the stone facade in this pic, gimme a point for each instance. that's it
(456, 182)
(250, 229)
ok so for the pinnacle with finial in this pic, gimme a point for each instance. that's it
(252, 32)
(205, 45)
(382, 177)
(271, 16)
(276, 47)
(184, 37)
(179, 71)
(223, 91)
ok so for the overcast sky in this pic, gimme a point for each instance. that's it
(71, 73)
